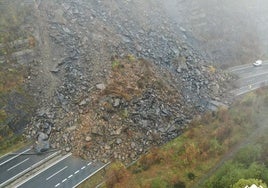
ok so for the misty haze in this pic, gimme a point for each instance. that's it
(133, 93)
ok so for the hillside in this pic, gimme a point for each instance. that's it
(108, 80)
(216, 151)
(75, 55)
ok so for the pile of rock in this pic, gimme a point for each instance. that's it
(115, 127)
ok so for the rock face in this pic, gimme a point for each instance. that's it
(99, 101)
(137, 111)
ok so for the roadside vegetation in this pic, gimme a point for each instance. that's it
(226, 148)
(15, 103)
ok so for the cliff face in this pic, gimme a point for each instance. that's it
(117, 76)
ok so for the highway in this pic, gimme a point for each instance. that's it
(13, 166)
(250, 77)
(67, 172)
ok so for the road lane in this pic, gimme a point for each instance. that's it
(66, 173)
(239, 68)
(12, 168)
(56, 173)
(246, 89)
(11, 157)
(18, 164)
(250, 78)
(251, 71)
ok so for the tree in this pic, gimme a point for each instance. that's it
(249, 182)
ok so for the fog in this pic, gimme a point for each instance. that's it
(228, 31)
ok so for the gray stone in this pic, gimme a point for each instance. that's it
(83, 102)
(100, 86)
(118, 140)
(68, 149)
(42, 137)
(88, 139)
(179, 70)
(116, 102)
(133, 145)
(107, 147)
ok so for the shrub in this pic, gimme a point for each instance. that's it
(159, 183)
(3, 116)
(179, 184)
(223, 132)
(215, 147)
(116, 174)
(248, 154)
(191, 176)
(153, 157)
(249, 182)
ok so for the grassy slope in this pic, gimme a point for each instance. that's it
(11, 76)
(184, 161)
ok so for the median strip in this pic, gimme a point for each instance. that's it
(31, 168)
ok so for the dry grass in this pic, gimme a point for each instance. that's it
(189, 157)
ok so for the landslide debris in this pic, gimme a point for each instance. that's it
(139, 106)
(114, 109)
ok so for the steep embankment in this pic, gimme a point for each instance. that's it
(82, 44)
(16, 51)
(138, 107)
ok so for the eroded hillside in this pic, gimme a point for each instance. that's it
(113, 77)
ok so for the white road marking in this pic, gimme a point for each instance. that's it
(27, 170)
(240, 68)
(91, 175)
(253, 87)
(83, 167)
(253, 76)
(57, 185)
(57, 172)
(15, 156)
(70, 176)
(246, 66)
(64, 180)
(5, 155)
(88, 164)
(76, 172)
(18, 164)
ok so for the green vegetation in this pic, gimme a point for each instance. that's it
(130, 77)
(95, 180)
(13, 143)
(249, 162)
(248, 182)
(237, 135)
(12, 16)
(16, 105)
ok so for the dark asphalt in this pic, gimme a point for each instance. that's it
(250, 77)
(14, 164)
(66, 173)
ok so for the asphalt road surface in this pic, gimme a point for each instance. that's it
(14, 165)
(250, 77)
(68, 172)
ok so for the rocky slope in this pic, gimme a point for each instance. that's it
(138, 107)
(114, 78)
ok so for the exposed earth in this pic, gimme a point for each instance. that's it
(113, 78)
